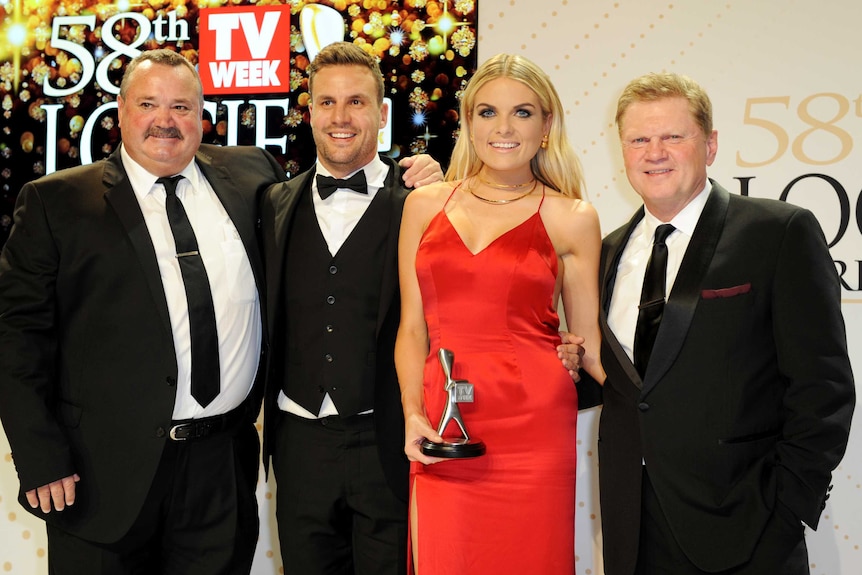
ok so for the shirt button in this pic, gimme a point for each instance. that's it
(329, 329)
(330, 299)
(171, 380)
(160, 432)
(333, 270)
(643, 406)
(328, 358)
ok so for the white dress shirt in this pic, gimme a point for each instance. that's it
(337, 217)
(234, 293)
(623, 312)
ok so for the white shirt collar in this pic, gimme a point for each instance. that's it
(143, 181)
(375, 173)
(686, 220)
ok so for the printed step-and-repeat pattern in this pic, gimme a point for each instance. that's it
(788, 109)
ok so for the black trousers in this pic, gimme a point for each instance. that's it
(781, 549)
(336, 514)
(199, 518)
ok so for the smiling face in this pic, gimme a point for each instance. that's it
(160, 117)
(507, 127)
(346, 117)
(666, 153)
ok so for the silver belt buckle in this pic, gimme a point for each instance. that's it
(173, 433)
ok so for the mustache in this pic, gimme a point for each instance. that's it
(158, 132)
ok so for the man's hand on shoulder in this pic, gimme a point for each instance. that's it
(420, 171)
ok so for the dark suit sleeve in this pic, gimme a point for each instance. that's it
(28, 346)
(812, 354)
(278, 173)
(589, 391)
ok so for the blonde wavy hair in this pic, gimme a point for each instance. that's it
(651, 87)
(556, 166)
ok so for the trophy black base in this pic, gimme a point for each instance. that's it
(454, 449)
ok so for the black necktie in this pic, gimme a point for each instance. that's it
(327, 186)
(202, 323)
(652, 299)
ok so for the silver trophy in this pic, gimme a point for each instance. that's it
(459, 391)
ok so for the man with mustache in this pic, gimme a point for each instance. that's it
(132, 342)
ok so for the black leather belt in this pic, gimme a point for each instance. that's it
(193, 429)
(349, 422)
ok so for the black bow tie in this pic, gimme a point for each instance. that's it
(327, 186)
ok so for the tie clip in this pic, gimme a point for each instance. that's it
(187, 254)
(651, 303)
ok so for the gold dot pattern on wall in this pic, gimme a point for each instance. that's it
(691, 43)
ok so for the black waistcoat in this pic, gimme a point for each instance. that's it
(331, 310)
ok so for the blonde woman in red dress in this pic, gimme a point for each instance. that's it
(484, 259)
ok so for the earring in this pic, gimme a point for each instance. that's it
(544, 144)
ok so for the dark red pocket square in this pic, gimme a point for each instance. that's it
(726, 292)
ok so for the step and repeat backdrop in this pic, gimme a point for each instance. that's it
(781, 75)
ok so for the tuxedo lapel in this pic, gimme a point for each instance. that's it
(612, 250)
(684, 297)
(121, 197)
(392, 189)
(283, 207)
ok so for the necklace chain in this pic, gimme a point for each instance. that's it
(503, 201)
(504, 186)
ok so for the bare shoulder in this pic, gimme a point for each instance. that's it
(430, 198)
(567, 211)
(571, 223)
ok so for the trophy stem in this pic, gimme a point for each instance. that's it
(462, 447)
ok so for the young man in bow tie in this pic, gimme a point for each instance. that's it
(333, 422)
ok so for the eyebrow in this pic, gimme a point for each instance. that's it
(523, 105)
(357, 96)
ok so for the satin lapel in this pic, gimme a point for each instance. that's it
(612, 250)
(121, 197)
(237, 209)
(394, 197)
(685, 295)
(283, 208)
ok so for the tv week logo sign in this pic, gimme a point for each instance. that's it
(245, 49)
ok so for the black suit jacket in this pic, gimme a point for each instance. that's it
(747, 400)
(277, 211)
(87, 362)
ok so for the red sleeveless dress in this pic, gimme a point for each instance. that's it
(512, 510)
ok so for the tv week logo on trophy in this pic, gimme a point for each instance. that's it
(245, 49)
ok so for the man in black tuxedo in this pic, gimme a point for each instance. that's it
(333, 421)
(727, 403)
(131, 338)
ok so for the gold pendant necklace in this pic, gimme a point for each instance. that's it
(503, 201)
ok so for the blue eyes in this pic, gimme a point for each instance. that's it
(489, 113)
